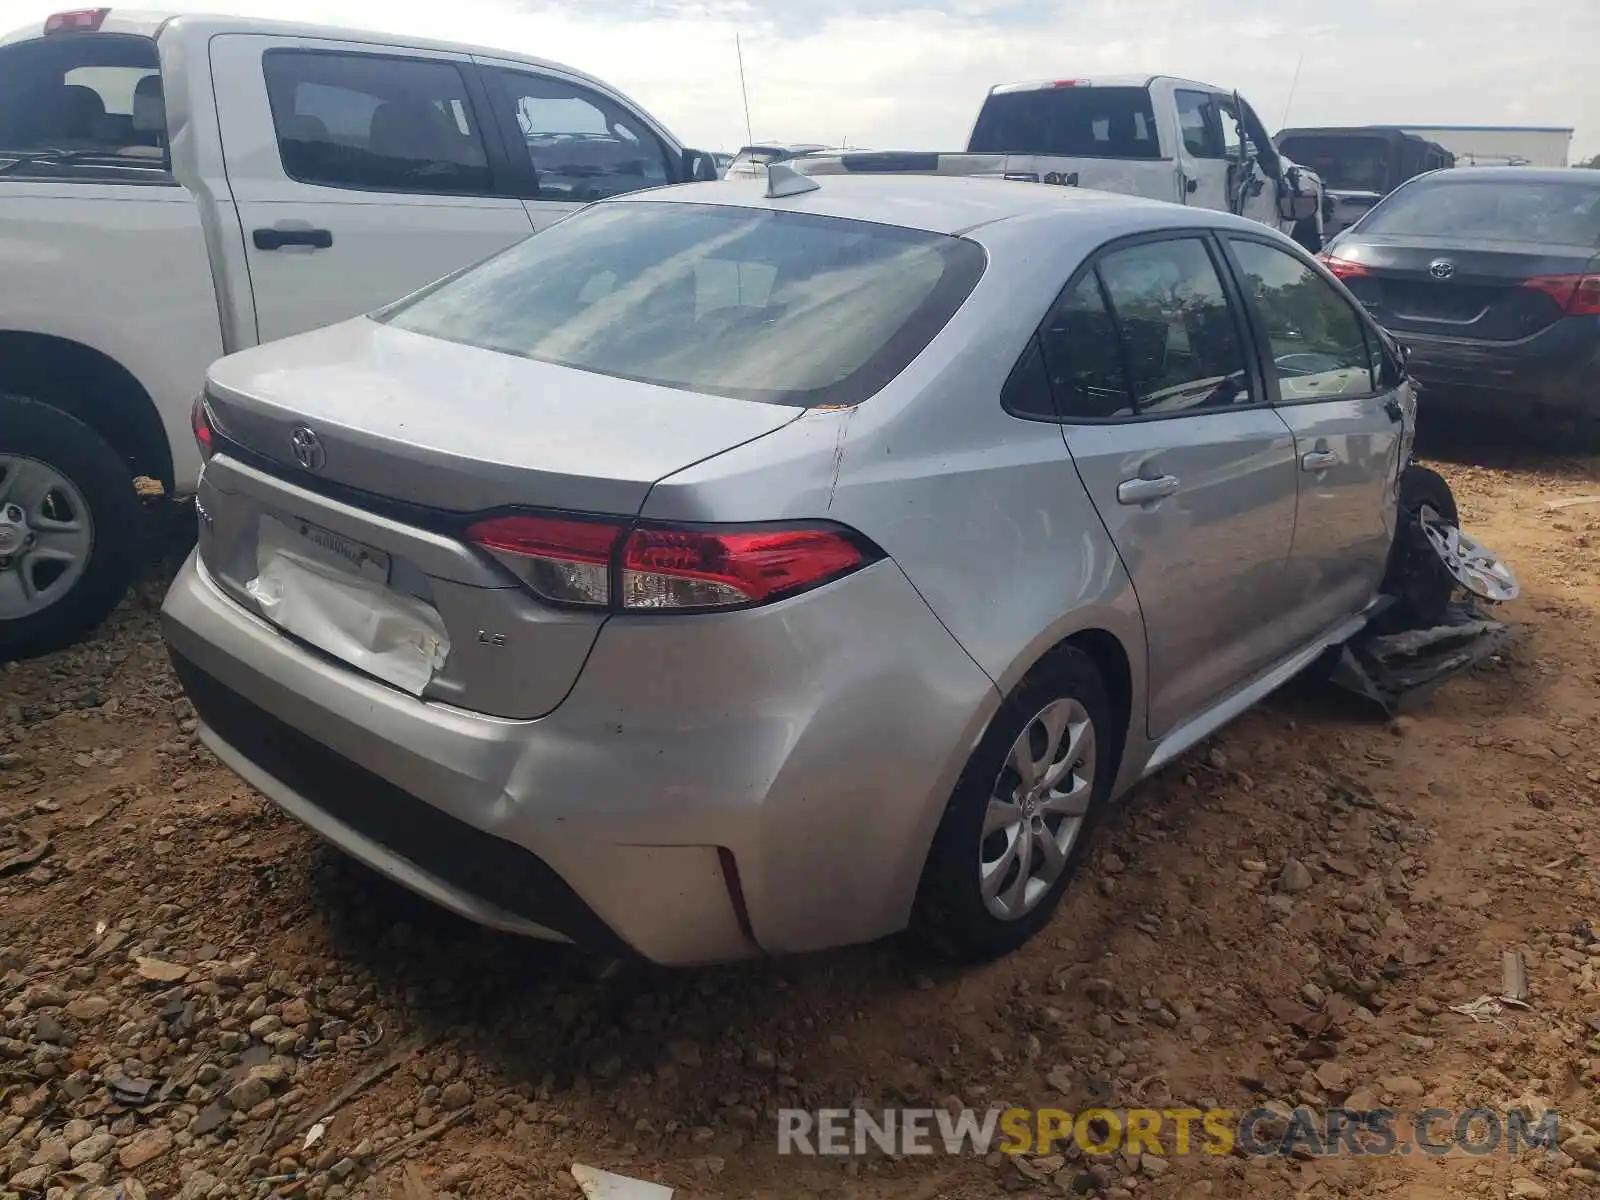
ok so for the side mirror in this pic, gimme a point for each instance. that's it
(698, 166)
(1292, 206)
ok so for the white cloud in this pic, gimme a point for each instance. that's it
(906, 73)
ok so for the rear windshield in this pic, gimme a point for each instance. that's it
(1356, 164)
(1081, 122)
(1518, 210)
(783, 307)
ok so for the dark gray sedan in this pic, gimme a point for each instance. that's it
(1491, 277)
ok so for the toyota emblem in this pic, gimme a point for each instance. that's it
(1441, 268)
(308, 448)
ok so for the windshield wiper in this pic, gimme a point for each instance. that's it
(24, 158)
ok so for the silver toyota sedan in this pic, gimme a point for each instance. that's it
(767, 565)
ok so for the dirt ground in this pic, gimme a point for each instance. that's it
(1293, 913)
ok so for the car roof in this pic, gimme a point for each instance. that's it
(948, 205)
(1514, 175)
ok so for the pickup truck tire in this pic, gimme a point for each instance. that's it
(1308, 235)
(70, 523)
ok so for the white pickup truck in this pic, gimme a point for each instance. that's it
(1154, 136)
(174, 188)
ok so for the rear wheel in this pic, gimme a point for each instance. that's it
(69, 524)
(1016, 827)
(1308, 235)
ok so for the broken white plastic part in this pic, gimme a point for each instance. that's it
(603, 1185)
(355, 618)
(783, 180)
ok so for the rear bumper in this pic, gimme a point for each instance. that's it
(1557, 367)
(713, 787)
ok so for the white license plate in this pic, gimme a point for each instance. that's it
(337, 550)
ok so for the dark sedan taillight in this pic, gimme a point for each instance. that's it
(1578, 295)
(587, 563)
(1343, 268)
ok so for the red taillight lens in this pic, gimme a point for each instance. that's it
(570, 560)
(1578, 295)
(80, 20)
(205, 434)
(561, 559)
(1343, 268)
(684, 568)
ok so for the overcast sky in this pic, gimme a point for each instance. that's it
(911, 73)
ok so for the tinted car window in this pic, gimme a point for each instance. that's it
(1517, 209)
(1180, 339)
(582, 145)
(97, 99)
(372, 123)
(1082, 356)
(761, 305)
(1089, 122)
(1320, 347)
(1198, 119)
(1359, 164)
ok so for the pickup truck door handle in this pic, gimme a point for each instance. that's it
(1318, 460)
(277, 239)
(1142, 491)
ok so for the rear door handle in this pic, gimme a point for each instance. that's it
(277, 239)
(1142, 491)
(1318, 460)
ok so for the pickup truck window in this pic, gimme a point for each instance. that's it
(582, 146)
(374, 123)
(1072, 122)
(82, 107)
(1201, 123)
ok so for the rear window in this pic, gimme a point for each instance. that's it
(1087, 122)
(788, 308)
(1357, 164)
(87, 106)
(1518, 210)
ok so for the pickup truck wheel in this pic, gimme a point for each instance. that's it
(1308, 235)
(69, 522)
(1018, 822)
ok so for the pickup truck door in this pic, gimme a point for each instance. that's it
(360, 172)
(1204, 152)
(571, 142)
(1326, 375)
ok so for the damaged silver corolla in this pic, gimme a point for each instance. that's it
(1435, 619)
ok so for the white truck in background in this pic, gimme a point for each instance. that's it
(1501, 145)
(1149, 135)
(175, 188)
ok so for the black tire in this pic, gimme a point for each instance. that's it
(73, 450)
(950, 917)
(1416, 576)
(1308, 235)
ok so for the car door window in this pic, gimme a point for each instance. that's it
(1320, 346)
(1179, 336)
(582, 146)
(1082, 357)
(1202, 131)
(375, 123)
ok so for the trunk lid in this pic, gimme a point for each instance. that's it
(445, 426)
(1434, 286)
(362, 556)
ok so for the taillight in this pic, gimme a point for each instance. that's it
(1578, 295)
(80, 20)
(604, 564)
(1343, 268)
(205, 433)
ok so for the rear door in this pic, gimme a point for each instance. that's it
(1191, 470)
(1325, 371)
(571, 143)
(361, 173)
